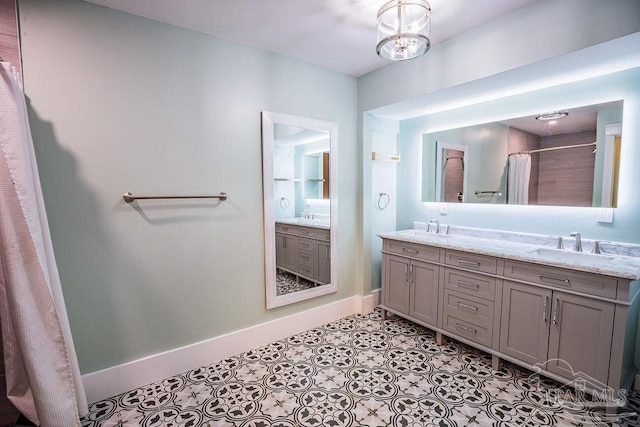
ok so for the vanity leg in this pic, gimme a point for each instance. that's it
(439, 338)
(384, 314)
(495, 362)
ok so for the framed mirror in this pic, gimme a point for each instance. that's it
(567, 159)
(300, 195)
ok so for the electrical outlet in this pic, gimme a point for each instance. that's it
(604, 215)
(444, 209)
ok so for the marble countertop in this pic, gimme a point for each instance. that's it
(314, 223)
(621, 266)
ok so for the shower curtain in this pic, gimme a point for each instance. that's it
(42, 374)
(518, 179)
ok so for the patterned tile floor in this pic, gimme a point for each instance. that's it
(357, 371)
(287, 283)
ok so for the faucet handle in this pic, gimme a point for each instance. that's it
(560, 243)
(596, 246)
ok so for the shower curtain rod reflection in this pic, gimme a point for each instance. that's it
(562, 147)
(130, 197)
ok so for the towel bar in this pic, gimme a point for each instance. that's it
(130, 197)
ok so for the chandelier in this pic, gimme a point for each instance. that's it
(403, 29)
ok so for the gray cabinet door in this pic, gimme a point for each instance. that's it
(323, 261)
(395, 285)
(286, 251)
(524, 324)
(580, 337)
(281, 252)
(424, 292)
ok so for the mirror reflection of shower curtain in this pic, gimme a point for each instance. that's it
(518, 179)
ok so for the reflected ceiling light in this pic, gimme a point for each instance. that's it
(403, 29)
(553, 115)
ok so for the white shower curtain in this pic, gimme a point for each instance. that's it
(42, 374)
(518, 179)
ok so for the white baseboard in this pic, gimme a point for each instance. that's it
(377, 296)
(118, 379)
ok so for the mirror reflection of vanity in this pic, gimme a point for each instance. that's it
(568, 160)
(300, 207)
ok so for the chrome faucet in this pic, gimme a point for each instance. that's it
(596, 246)
(437, 223)
(306, 214)
(578, 246)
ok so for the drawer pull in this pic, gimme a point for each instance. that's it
(544, 309)
(411, 251)
(470, 264)
(464, 328)
(468, 285)
(554, 279)
(468, 307)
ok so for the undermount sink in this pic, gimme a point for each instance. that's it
(569, 256)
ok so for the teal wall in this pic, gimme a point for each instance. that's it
(119, 103)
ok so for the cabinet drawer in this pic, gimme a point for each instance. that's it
(306, 244)
(472, 261)
(560, 278)
(305, 259)
(323, 234)
(305, 271)
(286, 228)
(471, 331)
(471, 309)
(470, 284)
(307, 231)
(426, 253)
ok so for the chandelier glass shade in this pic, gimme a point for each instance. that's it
(403, 29)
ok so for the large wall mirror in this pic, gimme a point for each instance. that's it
(568, 157)
(299, 158)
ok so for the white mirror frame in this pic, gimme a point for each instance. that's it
(269, 119)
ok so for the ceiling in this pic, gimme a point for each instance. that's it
(336, 34)
(579, 119)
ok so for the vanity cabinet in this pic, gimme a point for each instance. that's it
(304, 251)
(572, 332)
(415, 283)
(566, 324)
